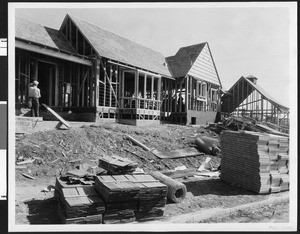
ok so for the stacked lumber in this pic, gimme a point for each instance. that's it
(152, 197)
(79, 204)
(117, 165)
(120, 196)
(252, 160)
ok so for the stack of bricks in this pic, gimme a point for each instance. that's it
(78, 204)
(255, 161)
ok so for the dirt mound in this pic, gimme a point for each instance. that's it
(55, 150)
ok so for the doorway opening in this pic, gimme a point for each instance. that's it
(47, 83)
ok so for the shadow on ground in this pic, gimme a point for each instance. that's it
(43, 211)
(216, 187)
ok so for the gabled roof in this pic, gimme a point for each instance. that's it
(39, 34)
(182, 61)
(266, 95)
(112, 46)
(241, 96)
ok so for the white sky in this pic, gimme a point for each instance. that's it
(244, 40)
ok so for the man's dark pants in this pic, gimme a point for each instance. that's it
(35, 109)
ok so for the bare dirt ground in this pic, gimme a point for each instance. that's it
(54, 149)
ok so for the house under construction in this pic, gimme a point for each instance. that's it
(248, 99)
(86, 73)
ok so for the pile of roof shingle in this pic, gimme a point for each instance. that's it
(78, 203)
(120, 196)
(131, 197)
(117, 165)
(117, 198)
(255, 161)
(152, 197)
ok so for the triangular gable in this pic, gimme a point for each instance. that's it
(204, 67)
(112, 46)
(228, 105)
(182, 61)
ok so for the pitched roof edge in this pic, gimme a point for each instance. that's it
(214, 64)
(274, 102)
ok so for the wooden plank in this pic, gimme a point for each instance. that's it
(180, 173)
(49, 52)
(57, 116)
(181, 153)
(138, 143)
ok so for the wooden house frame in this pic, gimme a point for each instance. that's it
(89, 74)
(196, 94)
(247, 98)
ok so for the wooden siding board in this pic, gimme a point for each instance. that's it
(197, 71)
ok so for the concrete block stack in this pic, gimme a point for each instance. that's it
(253, 160)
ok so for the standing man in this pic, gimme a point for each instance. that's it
(34, 95)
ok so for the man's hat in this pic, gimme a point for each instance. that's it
(35, 82)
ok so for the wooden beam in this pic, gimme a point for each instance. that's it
(152, 87)
(97, 78)
(262, 108)
(105, 74)
(76, 39)
(110, 90)
(52, 53)
(186, 79)
(82, 84)
(57, 116)
(145, 85)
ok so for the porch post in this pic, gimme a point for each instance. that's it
(97, 78)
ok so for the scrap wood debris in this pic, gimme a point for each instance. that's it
(237, 123)
(117, 165)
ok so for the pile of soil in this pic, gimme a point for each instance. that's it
(55, 150)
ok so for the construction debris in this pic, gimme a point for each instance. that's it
(181, 153)
(175, 174)
(237, 123)
(252, 160)
(117, 165)
(28, 161)
(137, 143)
(176, 190)
(28, 176)
(208, 145)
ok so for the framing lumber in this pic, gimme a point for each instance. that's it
(82, 84)
(106, 76)
(181, 153)
(180, 173)
(137, 143)
(57, 116)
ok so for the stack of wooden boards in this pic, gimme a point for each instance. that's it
(131, 197)
(255, 161)
(115, 165)
(78, 204)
